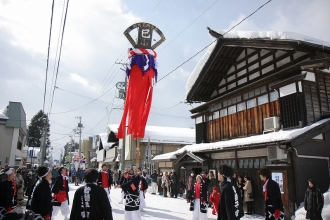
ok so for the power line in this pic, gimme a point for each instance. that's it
(89, 107)
(160, 10)
(60, 124)
(59, 56)
(176, 15)
(58, 43)
(85, 104)
(60, 138)
(171, 116)
(153, 10)
(165, 12)
(107, 115)
(80, 95)
(50, 36)
(214, 40)
(168, 107)
(188, 25)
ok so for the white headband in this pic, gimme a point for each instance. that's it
(45, 173)
(8, 172)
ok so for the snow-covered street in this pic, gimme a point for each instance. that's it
(158, 207)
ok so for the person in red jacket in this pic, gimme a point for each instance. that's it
(214, 199)
(105, 180)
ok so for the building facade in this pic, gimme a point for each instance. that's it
(12, 134)
(158, 140)
(266, 103)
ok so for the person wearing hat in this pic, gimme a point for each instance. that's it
(214, 199)
(272, 196)
(230, 205)
(132, 197)
(313, 202)
(190, 183)
(6, 192)
(198, 200)
(61, 194)
(41, 196)
(91, 201)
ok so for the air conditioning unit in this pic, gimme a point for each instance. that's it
(276, 153)
(272, 124)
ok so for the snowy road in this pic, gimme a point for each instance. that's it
(158, 207)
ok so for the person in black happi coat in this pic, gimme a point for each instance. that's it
(132, 200)
(6, 192)
(313, 202)
(41, 196)
(91, 201)
(143, 189)
(230, 205)
(272, 196)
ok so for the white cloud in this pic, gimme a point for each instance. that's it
(77, 78)
(309, 18)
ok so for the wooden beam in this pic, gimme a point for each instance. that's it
(263, 44)
(256, 69)
(269, 76)
(322, 54)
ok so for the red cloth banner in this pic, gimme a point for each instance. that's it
(138, 102)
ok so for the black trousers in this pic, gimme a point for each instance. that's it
(249, 207)
(165, 191)
(174, 191)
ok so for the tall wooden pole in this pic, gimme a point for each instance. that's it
(137, 153)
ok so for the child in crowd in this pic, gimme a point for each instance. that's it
(182, 186)
(214, 199)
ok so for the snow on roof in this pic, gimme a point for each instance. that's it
(272, 35)
(104, 140)
(3, 114)
(282, 135)
(158, 134)
(167, 156)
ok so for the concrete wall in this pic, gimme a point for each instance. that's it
(6, 143)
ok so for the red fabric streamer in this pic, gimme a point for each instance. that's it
(138, 102)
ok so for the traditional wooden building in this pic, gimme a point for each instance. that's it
(265, 103)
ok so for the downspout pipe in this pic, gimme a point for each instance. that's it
(310, 157)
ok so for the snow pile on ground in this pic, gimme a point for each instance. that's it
(300, 214)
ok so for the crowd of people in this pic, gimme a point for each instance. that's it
(47, 190)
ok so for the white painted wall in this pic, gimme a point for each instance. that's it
(288, 89)
(310, 76)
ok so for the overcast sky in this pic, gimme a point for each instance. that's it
(93, 41)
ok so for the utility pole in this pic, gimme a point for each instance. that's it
(43, 144)
(123, 96)
(80, 127)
